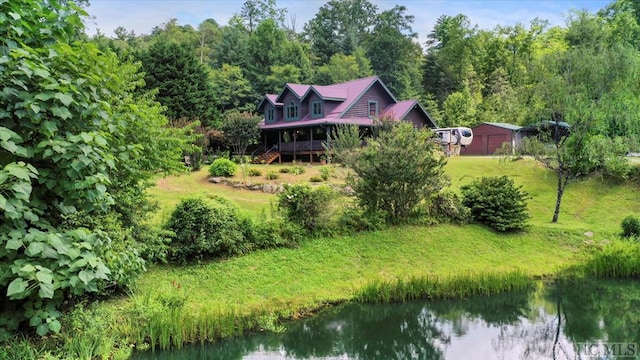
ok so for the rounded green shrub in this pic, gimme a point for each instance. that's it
(325, 172)
(447, 207)
(223, 167)
(202, 229)
(353, 220)
(497, 202)
(297, 170)
(272, 176)
(273, 233)
(630, 227)
(254, 172)
(306, 206)
(316, 179)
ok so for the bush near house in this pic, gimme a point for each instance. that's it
(203, 229)
(223, 167)
(306, 206)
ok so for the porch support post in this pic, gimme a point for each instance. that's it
(280, 146)
(311, 146)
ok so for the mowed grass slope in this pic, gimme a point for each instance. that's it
(333, 269)
(327, 270)
(594, 204)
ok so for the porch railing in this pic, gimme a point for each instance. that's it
(300, 146)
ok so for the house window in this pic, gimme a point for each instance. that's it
(292, 111)
(316, 109)
(373, 109)
(269, 116)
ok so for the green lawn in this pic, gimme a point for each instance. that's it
(591, 205)
(332, 269)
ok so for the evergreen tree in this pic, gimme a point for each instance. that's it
(181, 82)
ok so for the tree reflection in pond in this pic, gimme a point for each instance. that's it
(545, 323)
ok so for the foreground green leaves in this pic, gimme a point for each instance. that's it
(76, 151)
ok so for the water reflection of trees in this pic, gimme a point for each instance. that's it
(546, 323)
(583, 312)
(361, 331)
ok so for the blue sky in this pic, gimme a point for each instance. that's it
(142, 15)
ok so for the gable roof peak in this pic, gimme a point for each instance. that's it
(299, 90)
(368, 78)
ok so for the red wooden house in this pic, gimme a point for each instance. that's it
(299, 119)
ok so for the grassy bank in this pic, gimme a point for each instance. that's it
(332, 269)
(171, 305)
(288, 282)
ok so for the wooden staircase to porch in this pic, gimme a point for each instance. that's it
(267, 158)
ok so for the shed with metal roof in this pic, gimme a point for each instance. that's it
(488, 137)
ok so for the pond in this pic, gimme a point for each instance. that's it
(563, 320)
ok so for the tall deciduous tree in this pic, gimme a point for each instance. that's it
(209, 35)
(230, 89)
(341, 68)
(173, 32)
(233, 46)
(255, 11)
(576, 87)
(623, 20)
(181, 82)
(77, 152)
(340, 27)
(266, 49)
(394, 56)
(448, 55)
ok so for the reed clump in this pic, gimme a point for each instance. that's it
(165, 322)
(438, 287)
(616, 259)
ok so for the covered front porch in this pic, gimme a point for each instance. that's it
(305, 143)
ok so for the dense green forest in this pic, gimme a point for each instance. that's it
(462, 74)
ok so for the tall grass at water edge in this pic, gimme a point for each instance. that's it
(434, 287)
(617, 259)
(165, 322)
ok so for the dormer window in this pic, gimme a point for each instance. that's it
(316, 109)
(292, 111)
(373, 109)
(269, 115)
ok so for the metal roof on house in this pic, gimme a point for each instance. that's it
(330, 92)
(504, 125)
(347, 93)
(299, 89)
(400, 109)
(360, 121)
(271, 98)
(354, 89)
